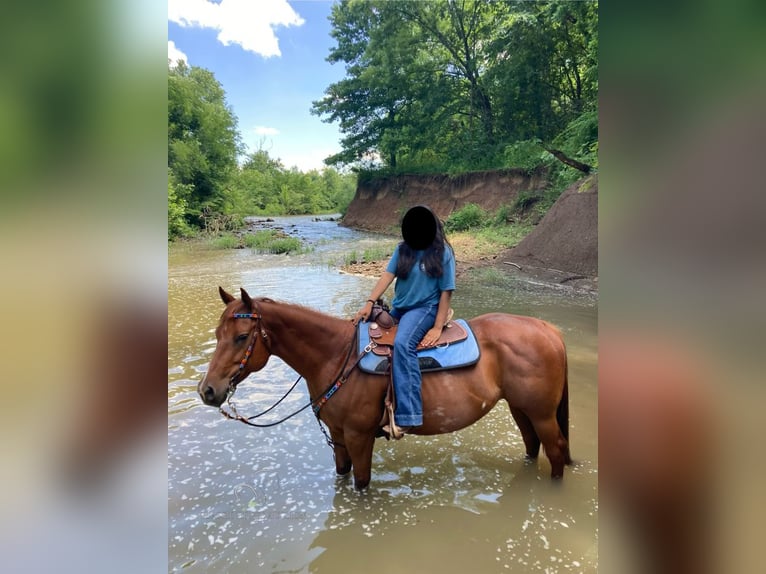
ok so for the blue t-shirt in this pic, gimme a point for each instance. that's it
(418, 289)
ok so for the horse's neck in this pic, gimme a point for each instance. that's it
(312, 343)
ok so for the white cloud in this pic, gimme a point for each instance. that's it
(266, 131)
(249, 23)
(307, 160)
(175, 55)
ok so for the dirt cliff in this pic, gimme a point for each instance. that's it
(380, 204)
(567, 237)
(562, 247)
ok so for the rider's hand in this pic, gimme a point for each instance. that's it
(430, 338)
(363, 313)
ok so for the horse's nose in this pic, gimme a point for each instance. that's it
(208, 394)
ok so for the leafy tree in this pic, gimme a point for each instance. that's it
(176, 211)
(449, 85)
(263, 186)
(203, 140)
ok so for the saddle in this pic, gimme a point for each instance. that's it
(381, 331)
(384, 336)
(456, 348)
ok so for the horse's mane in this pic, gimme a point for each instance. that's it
(297, 307)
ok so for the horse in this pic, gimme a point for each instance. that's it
(523, 360)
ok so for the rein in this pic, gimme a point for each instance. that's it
(316, 404)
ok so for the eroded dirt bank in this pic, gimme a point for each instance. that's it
(379, 205)
(562, 248)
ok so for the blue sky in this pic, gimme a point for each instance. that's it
(272, 69)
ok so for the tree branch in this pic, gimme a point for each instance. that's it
(562, 157)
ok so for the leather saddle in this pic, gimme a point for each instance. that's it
(384, 337)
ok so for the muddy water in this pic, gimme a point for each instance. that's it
(268, 500)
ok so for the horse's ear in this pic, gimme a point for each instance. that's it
(225, 297)
(246, 298)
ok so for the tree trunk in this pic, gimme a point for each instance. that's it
(562, 157)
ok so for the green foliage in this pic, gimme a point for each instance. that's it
(525, 200)
(271, 241)
(505, 235)
(502, 215)
(263, 186)
(203, 141)
(450, 87)
(468, 217)
(263, 241)
(283, 245)
(225, 241)
(177, 226)
(208, 189)
(527, 155)
(369, 255)
(580, 138)
(491, 277)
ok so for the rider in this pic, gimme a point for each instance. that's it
(424, 267)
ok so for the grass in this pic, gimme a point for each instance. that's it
(264, 241)
(487, 241)
(271, 241)
(491, 277)
(225, 241)
(476, 234)
(369, 255)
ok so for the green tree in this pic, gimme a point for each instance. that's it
(177, 225)
(451, 84)
(262, 186)
(203, 140)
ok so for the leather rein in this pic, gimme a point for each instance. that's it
(316, 403)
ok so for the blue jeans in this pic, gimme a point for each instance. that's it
(413, 325)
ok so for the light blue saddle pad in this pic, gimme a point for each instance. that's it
(456, 355)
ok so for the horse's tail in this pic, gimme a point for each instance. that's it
(562, 411)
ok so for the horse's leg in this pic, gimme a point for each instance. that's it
(360, 446)
(531, 440)
(554, 443)
(342, 458)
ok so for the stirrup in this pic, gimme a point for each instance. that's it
(394, 431)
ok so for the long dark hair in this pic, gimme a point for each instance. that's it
(432, 258)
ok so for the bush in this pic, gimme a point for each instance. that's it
(177, 226)
(527, 155)
(468, 217)
(285, 245)
(502, 215)
(525, 200)
(271, 241)
(225, 241)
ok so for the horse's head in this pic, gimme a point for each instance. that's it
(241, 348)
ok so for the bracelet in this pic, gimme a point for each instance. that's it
(371, 301)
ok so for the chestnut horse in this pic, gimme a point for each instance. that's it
(523, 360)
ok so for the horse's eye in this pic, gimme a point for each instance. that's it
(241, 337)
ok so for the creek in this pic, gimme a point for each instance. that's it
(268, 500)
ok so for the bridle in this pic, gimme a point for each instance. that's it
(316, 403)
(264, 335)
